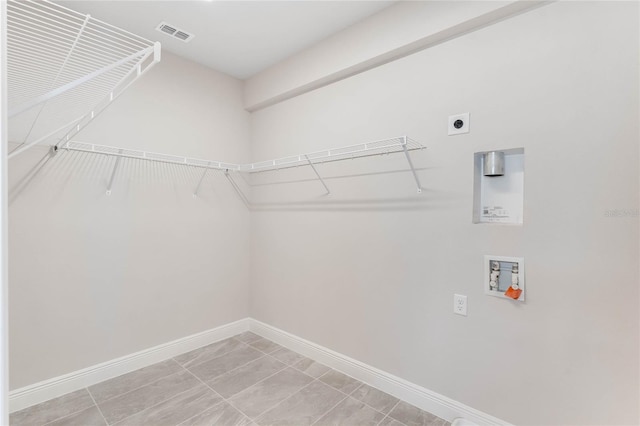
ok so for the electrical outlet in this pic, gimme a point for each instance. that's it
(459, 124)
(460, 304)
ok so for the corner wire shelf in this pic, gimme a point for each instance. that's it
(401, 144)
(64, 68)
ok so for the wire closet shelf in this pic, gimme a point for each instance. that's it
(64, 68)
(401, 144)
(386, 146)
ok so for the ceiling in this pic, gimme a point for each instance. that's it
(239, 38)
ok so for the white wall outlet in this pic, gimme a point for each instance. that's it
(460, 304)
(459, 124)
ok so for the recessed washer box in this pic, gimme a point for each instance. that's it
(510, 270)
(499, 198)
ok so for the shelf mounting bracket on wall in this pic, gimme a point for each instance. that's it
(113, 173)
(318, 174)
(413, 170)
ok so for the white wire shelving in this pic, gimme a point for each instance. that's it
(401, 144)
(64, 68)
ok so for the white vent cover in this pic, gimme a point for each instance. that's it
(173, 31)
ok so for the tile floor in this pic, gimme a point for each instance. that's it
(243, 380)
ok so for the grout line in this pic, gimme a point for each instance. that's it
(205, 410)
(97, 406)
(263, 351)
(352, 392)
(215, 357)
(139, 387)
(228, 401)
(287, 398)
(229, 371)
(390, 411)
(318, 379)
(247, 345)
(329, 410)
(223, 398)
(289, 365)
(350, 395)
(153, 406)
(312, 360)
(63, 417)
(371, 406)
(249, 331)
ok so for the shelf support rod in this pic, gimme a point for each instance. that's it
(195, 193)
(317, 174)
(235, 186)
(113, 173)
(413, 170)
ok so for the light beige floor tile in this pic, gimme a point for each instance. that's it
(175, 410)
(215, 367)
(287, 356)
(133, 402)
(377, 399)
(340, 381)
(89, 417)
(311, 368)
(304, 407)
(130, 381)
(351, 412)
(209, 352)
(264, 395)
(413, 416)
(221, 414)
(275, 389)
(53, 409)
(248, 375)
(264, 345)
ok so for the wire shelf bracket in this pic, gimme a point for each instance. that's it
(318, 174)
(113, 174)
(195, 193)
(413, 169)
(64, 68)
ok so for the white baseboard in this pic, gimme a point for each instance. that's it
(57, 386)
(419, 396)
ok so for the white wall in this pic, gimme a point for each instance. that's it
(95, 277)
(370, 271)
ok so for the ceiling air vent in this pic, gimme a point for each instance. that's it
(174, 32)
